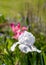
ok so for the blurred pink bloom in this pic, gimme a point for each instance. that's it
(17, 30)
(24, 28)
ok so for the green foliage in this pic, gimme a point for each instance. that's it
(17, 57)
(10, 7)
(2, 19)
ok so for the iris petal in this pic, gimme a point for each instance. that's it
(24, 48)
(27, 38)
(13, 46)
(35, 49)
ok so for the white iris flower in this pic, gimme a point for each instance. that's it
(26, 41)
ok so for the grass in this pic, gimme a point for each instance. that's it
(11, 7)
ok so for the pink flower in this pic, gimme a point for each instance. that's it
(24, 28)
(17, 30)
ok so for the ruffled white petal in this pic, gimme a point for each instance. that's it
(27, 38)
(35, 49)
(13, 46)
(24, 48)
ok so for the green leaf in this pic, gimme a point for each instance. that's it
(41, 59)
(44, 57)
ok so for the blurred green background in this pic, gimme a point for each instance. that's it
(30, 13)
(11, 7)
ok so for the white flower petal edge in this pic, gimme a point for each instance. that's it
(35, 49)
(27, 38)
(24, 48)
(13, 46)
